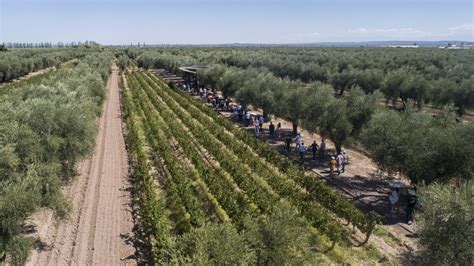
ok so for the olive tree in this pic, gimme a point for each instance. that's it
(446, 225)
(122, 62)
(293, 103)
(338, 118)
(421, 147)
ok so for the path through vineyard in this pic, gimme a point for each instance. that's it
(100, 224)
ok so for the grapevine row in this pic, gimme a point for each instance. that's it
(317, 188)
(320, 217)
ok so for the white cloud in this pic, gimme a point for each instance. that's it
(405, 30)
(359, 30)
(462, 28)
(313, 34)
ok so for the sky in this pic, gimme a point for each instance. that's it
(234, 21)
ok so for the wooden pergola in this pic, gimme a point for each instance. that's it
(189, 75)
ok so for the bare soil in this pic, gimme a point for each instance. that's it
(99, 229)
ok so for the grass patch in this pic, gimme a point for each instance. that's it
(389, 238)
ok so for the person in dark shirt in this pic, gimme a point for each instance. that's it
(271, 129)
(314, 149)
(412, 202)
(288, 143)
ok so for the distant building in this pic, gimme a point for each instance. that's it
(404, 46)
(455, 46)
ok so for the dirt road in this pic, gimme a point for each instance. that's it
(100, 224)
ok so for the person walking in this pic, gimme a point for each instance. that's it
(271, 129)
(302, 149)
(257, 126)
(322, 148)
(298, 140)
(247, 119)
(314, 149)
(332, 166)
(288, 143)
(340, 163)
(278, 130)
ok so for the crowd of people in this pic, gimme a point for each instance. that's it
(336, 163)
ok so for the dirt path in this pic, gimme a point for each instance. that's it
(100, 224)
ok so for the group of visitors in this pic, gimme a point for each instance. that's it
(338, 163)
(316, 150)
(217, 102)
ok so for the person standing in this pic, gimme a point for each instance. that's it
(227, 103)
(302, 149)
(278, 130)
(298, 140)
(332, 166)
(257, 126)
(247, 119)
(346, 160)
(288, 143)
(322, 148)
(340, 163)
(394, 198)
(271, 129)
(221, 103)
(314, 149)
(261, 119)
(411, 204)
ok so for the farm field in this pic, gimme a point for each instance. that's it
(105, 162)
(262, 132)
(208, 171)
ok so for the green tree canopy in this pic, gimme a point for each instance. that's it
(445, 225)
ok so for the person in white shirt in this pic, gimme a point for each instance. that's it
(340, 163)
(394, 198)
(257, 126)
(298, 139)
(345, 161)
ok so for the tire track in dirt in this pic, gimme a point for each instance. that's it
(100, 225)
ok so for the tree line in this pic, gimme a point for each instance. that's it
(15, 63)
(48, 124)
(423, 76)
(348, 120)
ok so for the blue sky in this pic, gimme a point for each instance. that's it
(229, 21)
